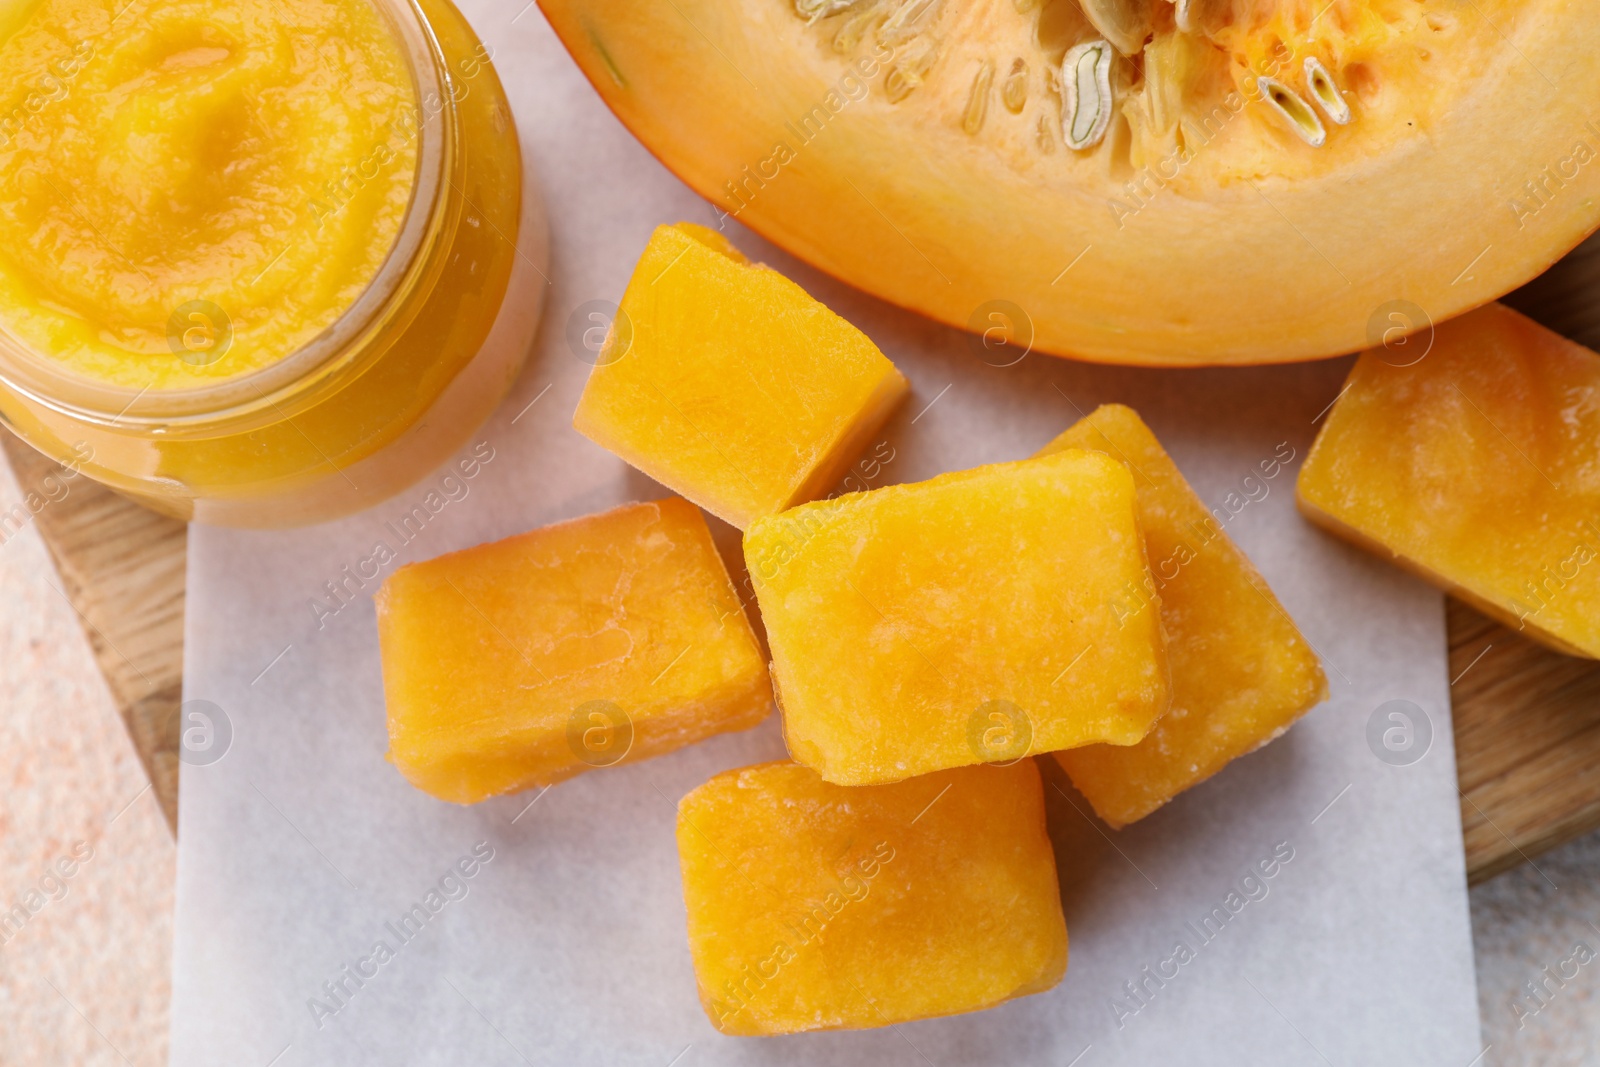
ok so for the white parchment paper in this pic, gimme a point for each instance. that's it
(301, 850)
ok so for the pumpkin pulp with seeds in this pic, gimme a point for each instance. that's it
(1272, 171)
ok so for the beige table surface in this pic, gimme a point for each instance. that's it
(86, 980)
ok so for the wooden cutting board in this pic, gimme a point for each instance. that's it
(1527, 720)
(122, 568)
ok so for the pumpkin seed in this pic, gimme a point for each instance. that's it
(1125, 23)
(907, 74)
(1202, 18)
(812, 10)
(978, 99)
(1292, 108)
(908, 21)
(1325, 91)
(849, 35)
(1014, 91)
(1086, 94)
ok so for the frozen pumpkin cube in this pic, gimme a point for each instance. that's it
(1241, 672)
(613, 637)
(973, 618)
(724, 381)
(820, 907)
(1476, 467)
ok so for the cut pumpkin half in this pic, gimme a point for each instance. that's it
(1130, 181)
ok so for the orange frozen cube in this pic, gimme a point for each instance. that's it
(1241, 672)
(613, 637)
(724, 381)
(1476, 467)
(821, 907)
(968, 619)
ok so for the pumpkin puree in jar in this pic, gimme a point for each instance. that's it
(190, 190)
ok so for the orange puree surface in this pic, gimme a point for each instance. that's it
(163, 160)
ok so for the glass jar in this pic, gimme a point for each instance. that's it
(376, 400)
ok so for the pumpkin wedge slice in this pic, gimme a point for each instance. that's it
(1225, 181)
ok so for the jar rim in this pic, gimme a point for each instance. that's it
(47, 382)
